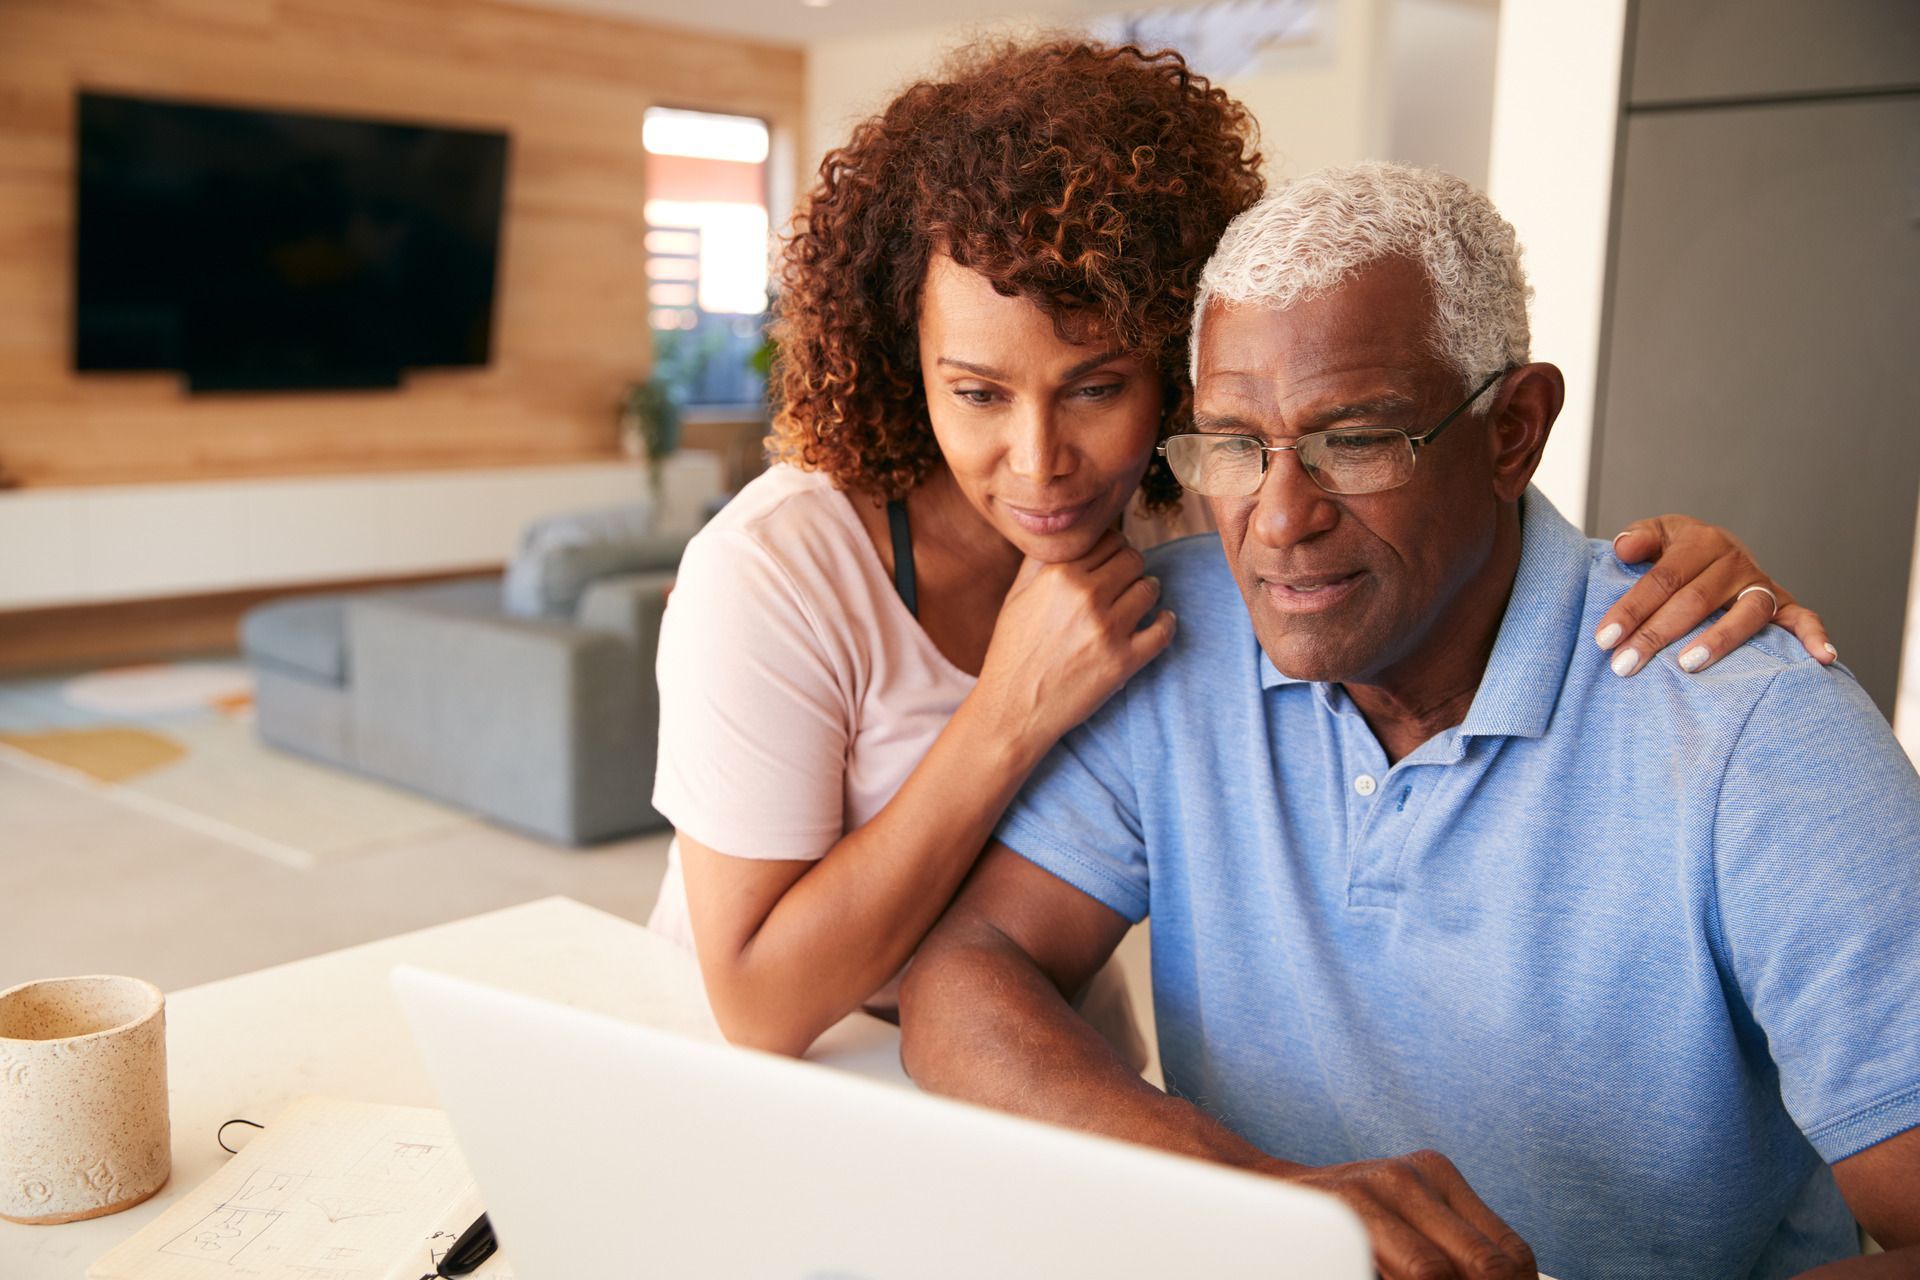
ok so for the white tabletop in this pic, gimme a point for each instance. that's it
(247, 1046)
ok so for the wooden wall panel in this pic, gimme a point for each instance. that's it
(571, 312)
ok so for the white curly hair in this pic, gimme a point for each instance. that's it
(1317, 232)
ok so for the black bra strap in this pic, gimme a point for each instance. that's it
(903, 556)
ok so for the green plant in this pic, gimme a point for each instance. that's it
(650, 413)
(651, 410)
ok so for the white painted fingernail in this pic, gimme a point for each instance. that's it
(1623, 533)
(1694, 658)
(1625, 661)
(1609, 635)
(1833, 653)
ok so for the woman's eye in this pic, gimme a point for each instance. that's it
(974, 396)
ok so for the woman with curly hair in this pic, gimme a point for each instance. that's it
(981, 330)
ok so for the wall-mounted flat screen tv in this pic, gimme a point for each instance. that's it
(270, 251)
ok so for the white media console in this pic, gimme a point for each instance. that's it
(93, 545)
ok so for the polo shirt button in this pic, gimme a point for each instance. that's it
(1365, 784)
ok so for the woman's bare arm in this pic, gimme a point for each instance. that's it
(788, 948)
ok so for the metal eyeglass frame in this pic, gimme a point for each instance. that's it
(1414, 442)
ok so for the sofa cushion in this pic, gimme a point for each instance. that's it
(306, 635)
(560, 556)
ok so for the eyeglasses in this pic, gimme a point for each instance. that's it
(1344, 460)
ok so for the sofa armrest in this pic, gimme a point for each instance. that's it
(630, 605)
(659, 553)
(537, 724)
(550, 574)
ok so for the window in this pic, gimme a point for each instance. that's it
(707, 249)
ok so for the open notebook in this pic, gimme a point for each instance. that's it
(331, 1190)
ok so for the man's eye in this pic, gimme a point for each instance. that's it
(1352, 444)
(1235, 446)
(1099, 391)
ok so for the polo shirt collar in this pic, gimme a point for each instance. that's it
(1540, 631)
(1537, 636)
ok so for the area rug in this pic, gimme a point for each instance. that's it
(177, 741)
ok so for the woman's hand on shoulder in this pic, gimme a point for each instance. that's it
(1068, 636)
(1697, 568)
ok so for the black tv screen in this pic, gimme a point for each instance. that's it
(268, 250)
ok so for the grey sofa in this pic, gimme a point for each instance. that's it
(545, 724)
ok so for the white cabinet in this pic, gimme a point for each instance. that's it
(82, 546)
(1764, 302)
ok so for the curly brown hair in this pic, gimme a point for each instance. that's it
(1091, 180)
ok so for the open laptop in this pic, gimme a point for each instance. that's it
(604, 1148)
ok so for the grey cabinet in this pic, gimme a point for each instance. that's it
(1762, 366)
(1692, 50)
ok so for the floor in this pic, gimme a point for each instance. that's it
(94, 886)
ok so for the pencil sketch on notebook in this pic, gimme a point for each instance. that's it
(407, 1158)
(330, 1191)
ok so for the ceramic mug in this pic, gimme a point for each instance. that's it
(83, 1098)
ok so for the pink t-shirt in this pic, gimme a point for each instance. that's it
(796, 691)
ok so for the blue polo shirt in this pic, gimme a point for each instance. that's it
(1640, 956)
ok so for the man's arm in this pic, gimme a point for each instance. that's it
(1816, 855)
(984, 1016)
(1882, 1187)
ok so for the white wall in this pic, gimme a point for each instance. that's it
(1315, 107)
(1439, 84)
(851, 78)
(1408, 80)
(1325, 105)
(1906, 707)
(1556, 108)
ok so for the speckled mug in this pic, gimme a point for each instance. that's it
(83, 1098)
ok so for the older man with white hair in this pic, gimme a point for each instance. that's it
(1516, 957)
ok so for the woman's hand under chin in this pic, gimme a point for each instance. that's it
(1697, 568)
(1068, 636)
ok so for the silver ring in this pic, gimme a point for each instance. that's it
(1772, 599)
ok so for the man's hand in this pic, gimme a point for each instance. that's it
(1425, 1222)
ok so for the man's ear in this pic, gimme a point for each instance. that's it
(1523, 412)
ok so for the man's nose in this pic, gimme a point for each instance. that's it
(1039, 451)
(1289, 506)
